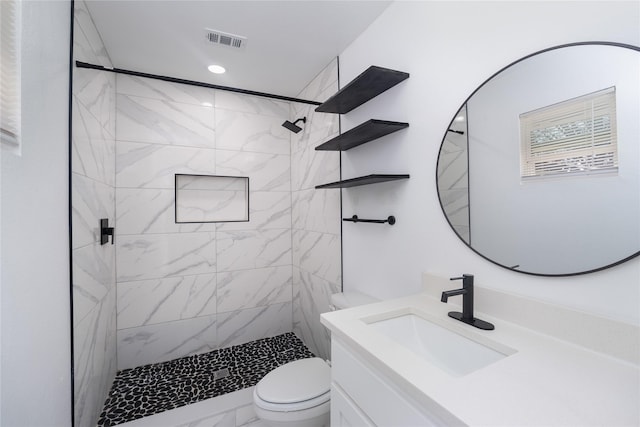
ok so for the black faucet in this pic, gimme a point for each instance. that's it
(467, 303)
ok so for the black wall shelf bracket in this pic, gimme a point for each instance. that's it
(390, 220)
(105, 231)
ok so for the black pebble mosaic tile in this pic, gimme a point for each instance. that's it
(151, 389)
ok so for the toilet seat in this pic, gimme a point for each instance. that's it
(294, 386)
(291, 407)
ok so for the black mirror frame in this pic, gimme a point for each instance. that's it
(600, 43)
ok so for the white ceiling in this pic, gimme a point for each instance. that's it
(288, 42)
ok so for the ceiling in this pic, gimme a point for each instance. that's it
(288, 42)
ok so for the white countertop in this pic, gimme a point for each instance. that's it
(547, 381)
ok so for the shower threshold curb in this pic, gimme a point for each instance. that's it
(198, 411)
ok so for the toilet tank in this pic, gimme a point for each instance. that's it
(343, 300)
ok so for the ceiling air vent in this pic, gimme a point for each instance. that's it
(226, 39)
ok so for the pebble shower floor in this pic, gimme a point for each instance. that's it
(151, 389)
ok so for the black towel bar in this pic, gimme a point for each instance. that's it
(391, 220)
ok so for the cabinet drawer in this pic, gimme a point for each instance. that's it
(377, 398)
(344, 412)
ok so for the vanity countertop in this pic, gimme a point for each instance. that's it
(547, 381)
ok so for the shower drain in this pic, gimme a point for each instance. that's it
(221, 373)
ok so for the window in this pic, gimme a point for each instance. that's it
(577, 136)
(10, 74)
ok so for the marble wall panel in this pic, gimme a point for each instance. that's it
(165, 91)
(90, 47)
(163, 129)
(93, 148)
(316, 216)
(93, 278)
(267, 172)
(82, 50)
(92, 89)
(239, 131)
(320, 127)
(152, 256)
(239, 327)
(148, 302)
(315, 210)
(141, 165)
(244, 289)
(166, 341)
(163, 122)
(312, 297)
(318, 254)
(94, 360)
(251, 104)
(310, 168)
(267, 210)
(226, 419)
(91, 201)
(242, 250)
(92, 198)
(150, 210)
(323, 85)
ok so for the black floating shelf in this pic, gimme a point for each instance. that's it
(367, 131)
(363, 180)
(371, 83)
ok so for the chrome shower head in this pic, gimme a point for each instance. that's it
(292, 126)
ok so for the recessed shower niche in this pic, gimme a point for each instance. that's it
(211, 198)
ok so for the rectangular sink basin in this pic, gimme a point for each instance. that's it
(453, 353)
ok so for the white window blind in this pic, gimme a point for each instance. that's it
(577, 136)
(10, 18)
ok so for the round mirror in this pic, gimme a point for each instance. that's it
(539, 171)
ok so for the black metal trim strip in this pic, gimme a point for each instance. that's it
(340, 176)
(80, 64)
(70, 209)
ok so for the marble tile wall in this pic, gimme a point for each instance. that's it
(316, 235)
(179, 289)
(190, 288)
(93, 197)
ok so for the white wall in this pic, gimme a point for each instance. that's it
(450, 48)
(36, 370)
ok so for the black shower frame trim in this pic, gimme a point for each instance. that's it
(81, 64)
(70, 210)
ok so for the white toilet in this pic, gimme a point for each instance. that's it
(298, 393)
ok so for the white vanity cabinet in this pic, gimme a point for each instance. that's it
(560, 367)
(363, 396)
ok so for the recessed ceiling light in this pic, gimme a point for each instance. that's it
(216, 69)
(207, 104)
